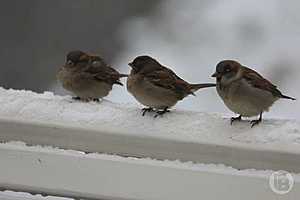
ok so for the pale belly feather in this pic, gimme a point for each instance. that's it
(150, 95)
(245, 100)
(84, 87)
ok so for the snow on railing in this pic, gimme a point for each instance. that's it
(106, 127)
(46, 119)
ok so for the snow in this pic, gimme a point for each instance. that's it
(190, 126)
(92, 169)
(224, 171)
(214, 168)
(10, 195)
(181, 125)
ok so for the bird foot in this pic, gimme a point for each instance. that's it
(96, 99)
(76, 98)
(233, 119)
(161, 112)
(145, 110)
(88, 99)
(255, 122)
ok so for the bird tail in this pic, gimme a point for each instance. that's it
(120, 76)
(195, 87)
(123, 75)
(287, 97)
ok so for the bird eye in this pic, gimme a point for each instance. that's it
(70, 62)
(227, 70)
(96, 62)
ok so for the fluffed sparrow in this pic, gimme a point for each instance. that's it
(87, 76)
(157, 86)
(244, 91)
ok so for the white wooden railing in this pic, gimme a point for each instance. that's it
(103, 150)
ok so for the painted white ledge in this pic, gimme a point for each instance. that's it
(98, 176)
(46, 119)
(12, 195)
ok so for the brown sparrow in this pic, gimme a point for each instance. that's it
(87, 76)
(156, 86)
(244, 91)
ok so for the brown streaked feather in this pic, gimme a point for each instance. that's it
(258, 81)
(167, 79)
(105, 74)
(84, 57)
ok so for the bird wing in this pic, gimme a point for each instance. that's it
(104, 73)
(258, 81)
(167, 79)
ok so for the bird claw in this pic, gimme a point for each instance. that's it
(96, 99)
(76, 98)
(161, 112)
(255, 122)
(233, 119)
(145, 110)
(88, 99)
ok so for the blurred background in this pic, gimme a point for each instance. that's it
(190, 37)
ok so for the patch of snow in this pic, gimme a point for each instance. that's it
(178, 125)
(10, 195)
(214, 168)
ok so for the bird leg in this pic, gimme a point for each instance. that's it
(96, 99)
(257, 121)
(233, 119)
(145, 110)
(87, 99)
(76, 98)
(161, 112)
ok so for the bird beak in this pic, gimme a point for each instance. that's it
(216, 75)
(130, 64)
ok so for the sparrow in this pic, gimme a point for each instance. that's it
(244, 91)
(88, 76)
(156, 86)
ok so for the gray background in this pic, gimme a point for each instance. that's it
(188, 36)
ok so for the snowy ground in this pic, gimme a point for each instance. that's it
(215, 168)
(179, 124)
(262, 175)
(10, 195)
